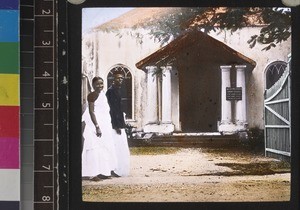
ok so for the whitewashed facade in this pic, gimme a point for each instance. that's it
(156, 99)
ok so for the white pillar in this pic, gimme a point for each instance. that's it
(166, 95)
(240, 112)
(151, 95)
(226, 105)
(95, 70)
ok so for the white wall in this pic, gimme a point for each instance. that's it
(255, 86)
(111, 49)
(126, 50)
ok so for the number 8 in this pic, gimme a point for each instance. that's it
(46, 198)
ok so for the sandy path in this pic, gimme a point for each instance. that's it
(189, 175)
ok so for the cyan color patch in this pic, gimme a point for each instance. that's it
(9, 26)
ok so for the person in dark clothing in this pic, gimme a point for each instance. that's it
(113, 95)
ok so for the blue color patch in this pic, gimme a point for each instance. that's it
(9, 25)
(9, 4)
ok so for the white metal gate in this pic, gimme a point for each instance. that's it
(277, 115)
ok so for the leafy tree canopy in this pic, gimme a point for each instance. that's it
(275, 23)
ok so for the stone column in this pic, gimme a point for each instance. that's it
(226, 105)
(95, 68)
(240, 112)
(151, 95)
(226, 125)
(166, 95)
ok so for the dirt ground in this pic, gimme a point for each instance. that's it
(195, 175)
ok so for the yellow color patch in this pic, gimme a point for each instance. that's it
(9, 90)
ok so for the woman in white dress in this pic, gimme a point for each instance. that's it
(98, 155)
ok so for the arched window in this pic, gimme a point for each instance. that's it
(273, 72)
(126, 90)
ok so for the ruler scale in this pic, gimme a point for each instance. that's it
(45, 155)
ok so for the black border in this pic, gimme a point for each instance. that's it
(70, 190)
(63, 107)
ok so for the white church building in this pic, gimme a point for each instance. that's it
(195, 83)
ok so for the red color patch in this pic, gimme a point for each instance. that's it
(9, 121)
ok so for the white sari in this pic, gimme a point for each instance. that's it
(99, 153)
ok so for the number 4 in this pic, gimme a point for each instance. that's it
(46, 74)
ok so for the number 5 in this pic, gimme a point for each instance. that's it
(45, 105)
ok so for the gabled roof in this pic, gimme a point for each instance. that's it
(204, 47)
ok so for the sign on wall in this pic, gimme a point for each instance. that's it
(233, 93)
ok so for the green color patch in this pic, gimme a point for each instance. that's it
(9, 57)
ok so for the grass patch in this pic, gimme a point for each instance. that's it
(153, 150)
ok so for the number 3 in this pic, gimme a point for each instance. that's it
(46, 43)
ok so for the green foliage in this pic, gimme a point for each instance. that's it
(275, 22)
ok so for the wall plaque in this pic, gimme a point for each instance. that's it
(233, 93)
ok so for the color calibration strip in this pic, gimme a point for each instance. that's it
(9, 105)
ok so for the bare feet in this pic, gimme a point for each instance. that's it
(95, 179)
(113, 174)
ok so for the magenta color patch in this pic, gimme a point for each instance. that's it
(9, 153)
